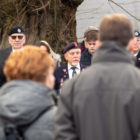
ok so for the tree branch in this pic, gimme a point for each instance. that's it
(124, 10)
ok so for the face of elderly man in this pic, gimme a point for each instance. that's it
(73, 56)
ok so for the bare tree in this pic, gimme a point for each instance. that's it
(51, 20)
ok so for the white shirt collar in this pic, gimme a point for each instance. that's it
(70, 70)
(77, 66)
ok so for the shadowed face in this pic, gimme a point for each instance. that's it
(73, 56)
(17, 40)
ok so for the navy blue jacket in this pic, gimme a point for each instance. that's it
(138, 60)
(61, 74)
(86, 58)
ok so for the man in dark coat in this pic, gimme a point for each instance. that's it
(16, 40)
(72, 54)
(102, 103)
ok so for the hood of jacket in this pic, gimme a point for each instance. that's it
(21, 101)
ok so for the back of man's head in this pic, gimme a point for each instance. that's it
(116, 27)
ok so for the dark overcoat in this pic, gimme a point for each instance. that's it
(4, 53)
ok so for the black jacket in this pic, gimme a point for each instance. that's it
(4, 53)
(138, 60)
(86, 58)
(102, 103)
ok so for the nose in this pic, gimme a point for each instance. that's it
(16, 39)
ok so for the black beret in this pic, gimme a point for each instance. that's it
(16, 29)
(137, 34)
(70, 46)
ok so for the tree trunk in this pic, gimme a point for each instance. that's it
(51, 20)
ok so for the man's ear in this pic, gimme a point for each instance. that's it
(9, 39)
(85, 42)
(65, 56)
(131, 45)
(98, 44)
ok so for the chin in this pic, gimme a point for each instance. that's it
(75, 63)
(17, 47)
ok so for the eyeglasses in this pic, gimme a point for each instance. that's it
(19, 37)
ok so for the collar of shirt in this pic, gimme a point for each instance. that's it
(70, 70)
(135, 54)
(13, 50)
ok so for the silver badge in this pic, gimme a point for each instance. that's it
(136, 33)
(19, 30)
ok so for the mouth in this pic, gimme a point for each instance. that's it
(75, 60)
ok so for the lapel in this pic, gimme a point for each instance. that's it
(4, 54)
(65, 72)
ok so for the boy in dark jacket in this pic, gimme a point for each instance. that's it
(90, 38)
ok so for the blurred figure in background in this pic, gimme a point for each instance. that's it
(137, 46)
(90, 41)
(44, 45)
(26, 99)
(135, 49)
(16, 39)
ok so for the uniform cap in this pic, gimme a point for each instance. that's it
(16, 29)
(137, 34)
(70, 46)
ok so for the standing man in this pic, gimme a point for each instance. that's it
(16, 40)
(102, 103)
(72, 54)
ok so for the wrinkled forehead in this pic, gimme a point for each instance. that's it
(138, 38)
(74, 50)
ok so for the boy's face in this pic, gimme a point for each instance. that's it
(91, 46)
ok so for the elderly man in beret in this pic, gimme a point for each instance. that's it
(72, 54)
(16, 38)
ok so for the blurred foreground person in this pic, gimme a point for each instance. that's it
(26, 101)
(102, 103)
(44, 45)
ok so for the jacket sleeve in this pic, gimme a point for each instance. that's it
(64, 121)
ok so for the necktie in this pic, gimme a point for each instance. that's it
(74, 71)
